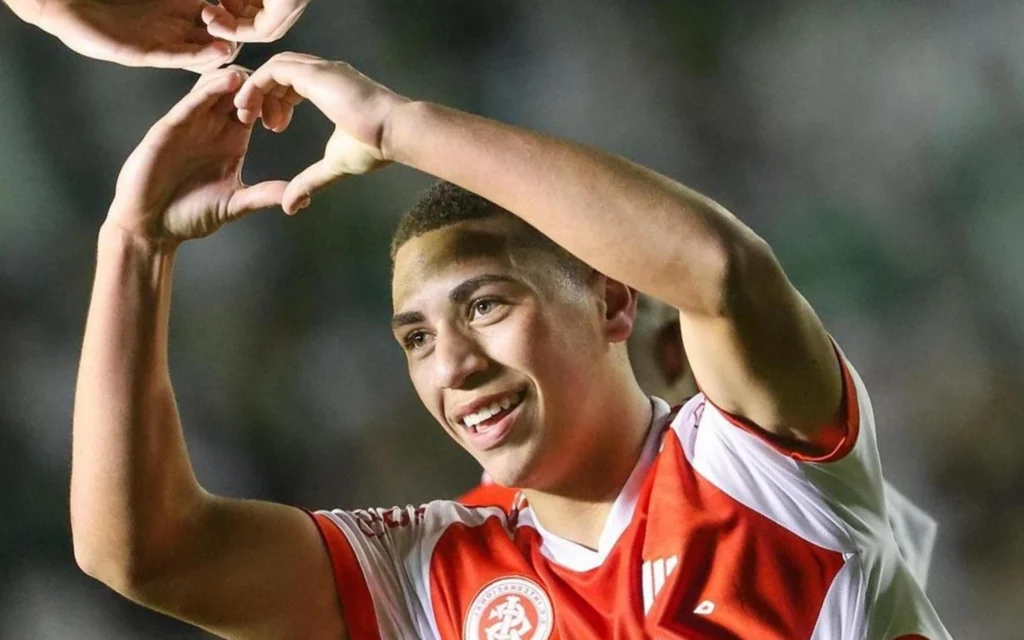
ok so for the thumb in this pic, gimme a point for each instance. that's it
(314, 178)
(344, 156)
(259, 196)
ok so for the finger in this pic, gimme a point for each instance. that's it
(249, 116)
(204, 96)
(292, 97)
(236, 7)
(218, 63)
(224, 106)
(278, 109)
(189, 55)
(289, 70)
(287, 111)
(258, 196)
(269, 24)
(273, 113)
(251, 7)
(210, 76)
(218, 14)
(313, 179)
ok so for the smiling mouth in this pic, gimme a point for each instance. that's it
(493, 413)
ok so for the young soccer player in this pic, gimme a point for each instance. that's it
(755, 511)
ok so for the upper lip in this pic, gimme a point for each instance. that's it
(467, 408)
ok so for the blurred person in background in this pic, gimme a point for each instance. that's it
(177, 34)
(755, 510)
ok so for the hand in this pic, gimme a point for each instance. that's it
(358, 106)
(138, 33)
(184, 179)
(252, 20)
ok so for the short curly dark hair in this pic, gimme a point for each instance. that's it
(444, 204)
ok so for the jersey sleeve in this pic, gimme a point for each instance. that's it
(836, 500)
(381, 562)
(840, 489)
(915, 532)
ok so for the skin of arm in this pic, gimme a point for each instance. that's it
(141, 523)
(755, 346)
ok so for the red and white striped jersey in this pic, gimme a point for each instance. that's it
(719, 532)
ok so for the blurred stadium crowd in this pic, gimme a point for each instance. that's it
(878, 146)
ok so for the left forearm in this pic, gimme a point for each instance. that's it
(626, 221)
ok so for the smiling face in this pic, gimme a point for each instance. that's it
(503, 348)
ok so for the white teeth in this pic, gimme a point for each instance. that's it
(473, 419)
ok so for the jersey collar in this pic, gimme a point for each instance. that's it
(576, 557)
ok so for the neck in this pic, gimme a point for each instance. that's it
(577, 507)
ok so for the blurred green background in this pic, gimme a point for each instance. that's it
(876, 145)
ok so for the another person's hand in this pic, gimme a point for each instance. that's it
(253, 20)
(184, 179)
(358, 106)
(134, 33)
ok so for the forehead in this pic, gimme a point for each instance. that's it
(450, 254)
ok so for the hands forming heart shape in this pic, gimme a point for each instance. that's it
(183, 180)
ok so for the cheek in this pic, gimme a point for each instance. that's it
(429, 394)
(558, 353)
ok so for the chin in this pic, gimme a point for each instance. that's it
(511, 468)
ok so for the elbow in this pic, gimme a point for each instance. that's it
(117, 561)
(110, 567)
(122, 574)
(90, 561)
(129, 555)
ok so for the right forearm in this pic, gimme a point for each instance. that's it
(131, 480)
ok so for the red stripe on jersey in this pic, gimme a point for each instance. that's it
(835, 441)
(354, 594)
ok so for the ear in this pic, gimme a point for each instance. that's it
(619, 309)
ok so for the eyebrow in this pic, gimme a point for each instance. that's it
(458, 295)
(462, 292)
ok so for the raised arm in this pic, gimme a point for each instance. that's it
(141, 522)
(756, 348)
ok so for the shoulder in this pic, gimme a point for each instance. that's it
(419, 521)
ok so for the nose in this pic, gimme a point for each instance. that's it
(459, 360)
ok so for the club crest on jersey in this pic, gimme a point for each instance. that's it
(510, 609)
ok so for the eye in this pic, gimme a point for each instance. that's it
(415, 340)
(483, 306)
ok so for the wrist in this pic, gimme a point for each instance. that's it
(117, 237)
(395, 124)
